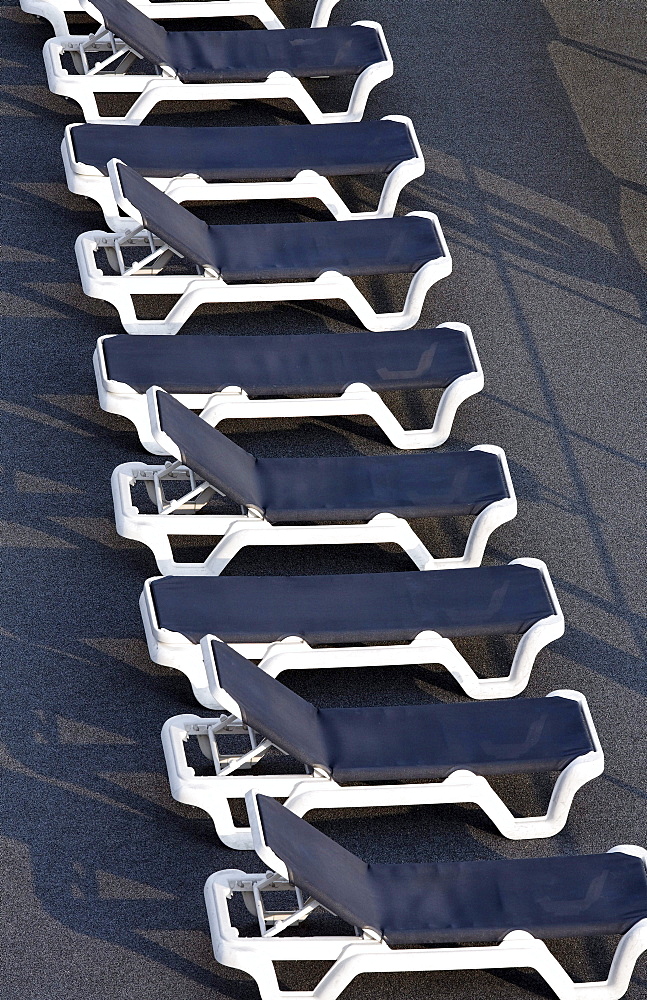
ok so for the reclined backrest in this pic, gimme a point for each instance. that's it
(141, 33)
(210, 454)
(331, 874)
(173, 223)
(270, 708)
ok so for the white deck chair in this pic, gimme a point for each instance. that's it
(291, 375)
(254, 263)
(211, 65)
(355, 620)
(494, 914)
(385, 756)
(56, 11)
(253, 162)
(288, 501)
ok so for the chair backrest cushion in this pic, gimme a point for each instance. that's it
(210, 454)
(270, 708)
(140, 32)
(319, 866)
(173, 223)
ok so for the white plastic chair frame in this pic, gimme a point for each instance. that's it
(55, 11)
(89, 182)
(145, 277)
(233, 402)
(183, 516)
(318, 790)
(110, 76)
(367, 952)
(172, 649)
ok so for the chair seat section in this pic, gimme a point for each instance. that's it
(247, 153)
(304, 251)
(331, 489)
(354, 608)
(290, 365)
(460, 902)
(427, 742)
(231, 56)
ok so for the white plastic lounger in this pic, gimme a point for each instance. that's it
(378, 619)
(287, 375)
(229, 164)
(386, 756)
(291, 501)
(494, 914)
(278, 262)
(211, 65)
(55, 11)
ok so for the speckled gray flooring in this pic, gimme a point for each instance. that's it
(530, 115)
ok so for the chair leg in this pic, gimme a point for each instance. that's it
(239, 838)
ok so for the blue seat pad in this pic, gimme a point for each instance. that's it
(460, 902)
(408, 742)
(354, 607)
(260, 152)
(290, 365)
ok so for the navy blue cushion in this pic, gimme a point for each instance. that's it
(231, 469)
(211, 56)
(285, 251)
(354, 607)
(460, 902)
(407, 742)
(335, 489)
(221, 56)
(259, 152)
(290, 365)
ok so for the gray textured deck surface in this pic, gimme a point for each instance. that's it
(530, 116)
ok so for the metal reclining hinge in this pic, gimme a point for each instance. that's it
(271, 881)
(279, 920)
(159, 251)
(119, 51)
(202, 729)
